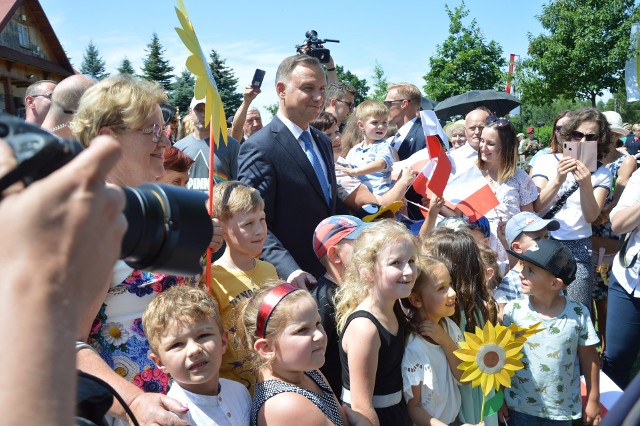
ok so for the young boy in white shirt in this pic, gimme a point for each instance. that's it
(187, 341)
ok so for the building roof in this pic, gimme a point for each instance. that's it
(59, 62)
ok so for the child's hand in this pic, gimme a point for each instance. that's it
(433, 330)
(346, 170)
(503, 413)
(436, 203)
(592, 414)
(355, 418)
(216, 237)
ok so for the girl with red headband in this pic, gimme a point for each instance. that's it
(282, 327)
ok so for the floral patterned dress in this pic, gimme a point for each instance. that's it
(117, 333)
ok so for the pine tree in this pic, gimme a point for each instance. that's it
(182, 92)
(126, 67)
(155, 67)
(227, 83)
(92, 63)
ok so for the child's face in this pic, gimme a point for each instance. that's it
(527, 239)
(374, 127)
(192, 354)
(302, 344)
(438, 299)
(535, 280)
(246, 232)
(396, 270)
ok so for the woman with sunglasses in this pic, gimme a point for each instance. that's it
(128, 109)
(561, 119)
(498, 161)
(573, 195)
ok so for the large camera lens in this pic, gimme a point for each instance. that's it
(169, 229)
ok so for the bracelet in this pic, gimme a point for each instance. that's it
(331, 69)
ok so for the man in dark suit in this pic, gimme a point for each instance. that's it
(291, 164)
(403, 101)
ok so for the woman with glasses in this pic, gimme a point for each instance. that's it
(498, 162)
(128, 109)
(573, 195)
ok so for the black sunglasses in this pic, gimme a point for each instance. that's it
(557, 128)
(500, 122)
(578, 136)
(389, 103)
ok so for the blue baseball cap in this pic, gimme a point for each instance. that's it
(527, 222)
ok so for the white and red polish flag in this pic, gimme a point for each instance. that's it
(434, 174)
(470, 193)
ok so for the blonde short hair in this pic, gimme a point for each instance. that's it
(407, 91)
(234, 197)
(180, 303)
(121, 101)
(371, 108)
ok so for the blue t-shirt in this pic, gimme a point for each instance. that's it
(378, 182)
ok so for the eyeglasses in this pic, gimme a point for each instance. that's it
(578, 136)
(557, 128)
(349, 104)
(156, 132)
(391, 102)
(500, 122)
(44, 95)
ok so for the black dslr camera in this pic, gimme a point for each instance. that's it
(313, 46)
(169, 227)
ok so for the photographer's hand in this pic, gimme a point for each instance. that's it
(332, 74)
(61, 238)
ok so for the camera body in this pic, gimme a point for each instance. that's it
(313, 46)
(168, 227)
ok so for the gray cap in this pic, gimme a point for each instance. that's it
(527, 222)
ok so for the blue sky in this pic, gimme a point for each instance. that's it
(400, 36)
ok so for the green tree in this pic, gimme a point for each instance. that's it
(273, 109)
(359, 84)
(182, 92)
(92, 62)
(464, 61)
(227, 83)
(582, 52)
(380, 83)
(126, 67)
(155, 67)
(630, 111)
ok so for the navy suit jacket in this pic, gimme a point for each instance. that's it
(273, 162)
(414, 141)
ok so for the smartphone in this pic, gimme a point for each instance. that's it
(586, 152)
(258, 76)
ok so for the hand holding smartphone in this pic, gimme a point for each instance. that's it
(586, 152)
(256, 81)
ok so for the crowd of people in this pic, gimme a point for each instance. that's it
(338, 293)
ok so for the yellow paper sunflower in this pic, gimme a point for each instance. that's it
(205, 87)
(490, 357)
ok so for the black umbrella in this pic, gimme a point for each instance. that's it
(498, 102)
(426, 104)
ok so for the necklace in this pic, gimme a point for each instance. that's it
(492, 182)
(58, 127)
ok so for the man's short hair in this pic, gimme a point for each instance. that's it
(180, 303)
(233, 197)
(36, 88)
(286, 67)
(253, 109)
(338, 91)
(407, 91)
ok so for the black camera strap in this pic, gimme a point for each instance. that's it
(562, 201)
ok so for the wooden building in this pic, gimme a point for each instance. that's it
(29, 51)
